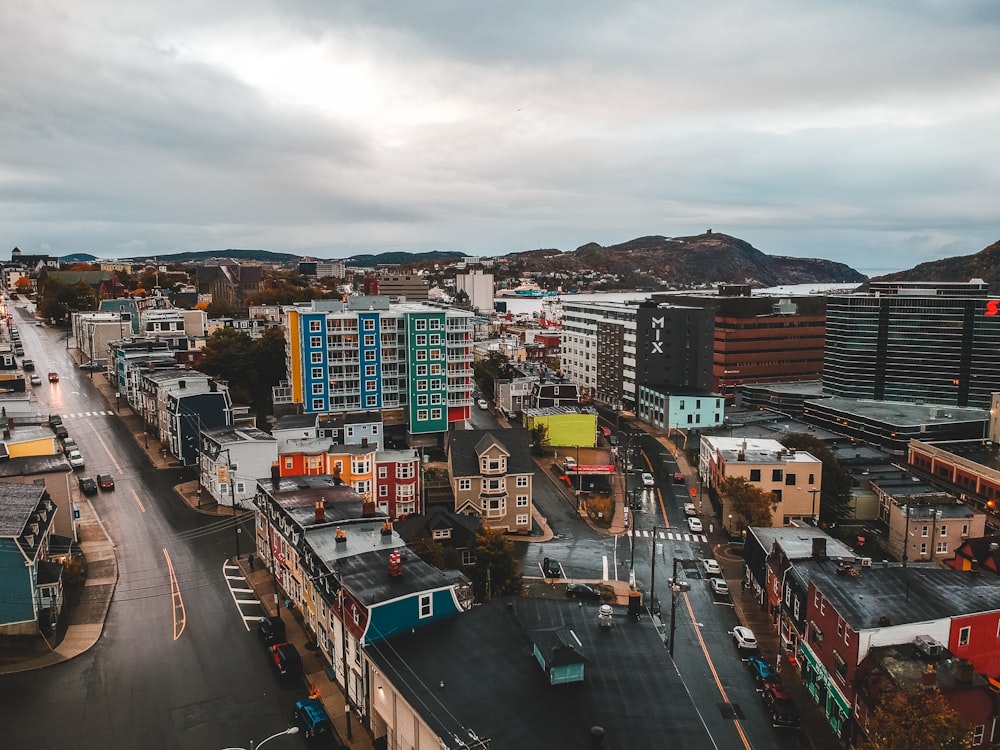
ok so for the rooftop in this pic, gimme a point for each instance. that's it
(797, 542)
(899, 413)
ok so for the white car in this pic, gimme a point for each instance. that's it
(719, 586)
(482, 404)
(75, 459)
(647, 479)
(744, 638)
(690, 510)
(712, 568)
(694, 524)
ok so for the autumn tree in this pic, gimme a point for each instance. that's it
(749, 501)
(250, 367)
(836, 481)
(917, 718)
(23, 284)
(495, 572)
(59, 299)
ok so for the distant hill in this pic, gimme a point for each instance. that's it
(265, 256)
(983, 265)
(400, 258)
(689, 261)
(370, 260)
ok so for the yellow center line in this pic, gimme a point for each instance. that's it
(711, 666)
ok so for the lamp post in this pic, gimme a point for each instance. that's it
(814, 491)
(730, 524)
(343, 656)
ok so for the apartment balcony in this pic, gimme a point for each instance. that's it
(282, 394)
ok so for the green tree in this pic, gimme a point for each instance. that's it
(836, 487)
(220, 310)
(914, 718)
(495, 573)
(269, 353)
(539, 439)
(229, 356)
(489, 370)
(59, 299)
(749, 501)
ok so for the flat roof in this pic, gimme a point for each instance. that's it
(983, 452)
(900, 413)
(797, 542)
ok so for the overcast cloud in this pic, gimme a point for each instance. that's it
(863, 132)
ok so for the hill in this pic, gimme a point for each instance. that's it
(688, 261)
(983, 265)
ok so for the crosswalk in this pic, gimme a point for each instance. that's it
(675, 536)
(83, 414)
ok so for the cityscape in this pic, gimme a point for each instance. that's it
(355, 506)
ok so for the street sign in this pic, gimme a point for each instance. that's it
(693, 492)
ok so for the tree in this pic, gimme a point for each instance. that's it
(488, 371)
(836, 486)
(229, 356)
(495, 573)
(23, 284)
(539, 439)
(917, 718)
(59, 299)
(748, 500)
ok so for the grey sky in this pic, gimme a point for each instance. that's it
(863, 132)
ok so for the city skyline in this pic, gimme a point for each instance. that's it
(857, 134)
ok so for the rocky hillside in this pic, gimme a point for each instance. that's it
(687, 261)
(983, 265)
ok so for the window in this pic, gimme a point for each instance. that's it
(840, 666)
(436, 414)
(521, 520)
(383, 490)
(420, 324)
(383, 472)
(776, 474)
(942, 548)
(963, 636)
(315, 342)
(369, 371)
(315, 326)
(421, 370)
(789, 480)
(317, 404)
(422, 399)
(317, 373)
(812, 479)
(371, 385)
(924, 530)
(754, 475)
(369, 324)
(944, 530)
(441, 534)
(370, 340)
(316, 358)
(522, 501)
(288, 462)
(923, 549)
(977, 735)
(371, 400)
(422, 340)
(421, 385)
(370, 355)
(522, 481)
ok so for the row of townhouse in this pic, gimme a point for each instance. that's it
(855, 628)
(341, 563)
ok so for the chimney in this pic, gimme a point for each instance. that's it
(386, 531)
(368, 509)
(275, 475)
(965, 672)
(320, 511)
(341, 537)
(819, 547)
(928, 677)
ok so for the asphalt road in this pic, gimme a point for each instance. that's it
(175, 666)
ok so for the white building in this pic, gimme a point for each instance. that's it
(232, 459)
(479, 287)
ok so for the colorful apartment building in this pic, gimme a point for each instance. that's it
(411, 361)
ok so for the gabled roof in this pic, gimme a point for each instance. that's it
(17, 503)
(465, 448)
(983, 550)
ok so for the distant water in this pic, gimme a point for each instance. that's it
(529, 305)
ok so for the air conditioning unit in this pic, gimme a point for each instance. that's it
(866, 562)
(928, 646)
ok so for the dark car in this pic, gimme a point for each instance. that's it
(271, 630)
(582, 591)
(106, 482)
(61, 432)
(551, 568)
(286, 659)
(88, 486)
(312, 717)
(763, 673)
(782, 710)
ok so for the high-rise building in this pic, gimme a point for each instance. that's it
(918, 342)
(411, 361)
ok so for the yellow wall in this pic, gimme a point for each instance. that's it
(566, 430)
(41, 447)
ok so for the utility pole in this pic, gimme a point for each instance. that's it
(654, 606)
(673, 608)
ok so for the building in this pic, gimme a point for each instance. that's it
(762, 338)
(918, 342)
(399, 287)
(231, 460)
(793, 478)
(491, 476)
(31, 593)
(411, 361)
(478, 287)
(968, 469)
(605, 333)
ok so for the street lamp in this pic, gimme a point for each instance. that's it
(730, 524)
(814, 491)
(290, 730)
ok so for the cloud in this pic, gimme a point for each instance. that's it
(836, 130)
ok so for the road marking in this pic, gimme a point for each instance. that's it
(226, 568)
(604, 568)
(138, 502)
(180, 614)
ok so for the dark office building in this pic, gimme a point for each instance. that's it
(917, 342)
(673, 348)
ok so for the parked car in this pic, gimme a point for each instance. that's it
(690, 510)
(76, 460)
(312, 717)
(87, 485)
(53, 377)
(61, 432)
(551, 568)
(678, 478)
(286, 659)
(719, 586)
(647, 479)
(569, 463)
(763, 673)
(612, 440)
(582, 591)
(483, 404)
(69, 445)
(782, 710)
(106, 482)
(604, 431)
(271, 630)
(694, 524)
(712, 568)
(28, 365)
(744, 638)
(35, 379)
